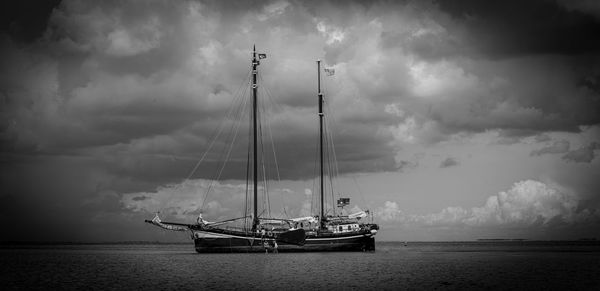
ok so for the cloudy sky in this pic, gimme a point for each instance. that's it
(453, 120)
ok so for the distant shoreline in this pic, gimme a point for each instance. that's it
(502, 239)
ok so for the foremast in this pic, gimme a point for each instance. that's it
(322, 218)
(255, 63)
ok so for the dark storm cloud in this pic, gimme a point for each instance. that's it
(512, 28)
(543, 52)
(130, 75)
(520, 97)
(25, 20)
(124, 79)
(475, 73)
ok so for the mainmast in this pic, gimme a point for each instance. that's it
(255, 63)
(320, 95)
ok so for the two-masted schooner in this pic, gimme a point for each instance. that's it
(320, 232)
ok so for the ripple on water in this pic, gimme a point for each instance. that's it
(392, 266)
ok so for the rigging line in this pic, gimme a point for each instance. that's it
(220, 127)
(326, 175)
(238, 96)
(329, 167)
(281, 193)
(247, 177)
(331, 125)
(313, 203)
(248, 163)
(271, 101)
(360, 192)
(260, 160)
(234, 127)
(262, 156)
(335, 160)
(278, 106)
(332, 164)
(222, 164)
(331, 156)
(332, 121)
(316, 201)
(326, 172)
(264, 161)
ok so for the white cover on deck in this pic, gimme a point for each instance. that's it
(358, 215)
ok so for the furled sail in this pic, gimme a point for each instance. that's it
(305, 219)
(156, 221)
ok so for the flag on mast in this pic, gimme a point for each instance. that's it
(329, 71)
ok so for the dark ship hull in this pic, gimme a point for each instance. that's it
(228, 243)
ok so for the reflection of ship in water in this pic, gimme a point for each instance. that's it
(257, 233)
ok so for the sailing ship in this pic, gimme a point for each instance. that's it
(322, 232)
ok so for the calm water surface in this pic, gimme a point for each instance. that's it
(427, 266)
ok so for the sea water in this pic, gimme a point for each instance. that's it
(397, 266)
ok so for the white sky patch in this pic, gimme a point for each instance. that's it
(404, 132)
(421, 31)
(412, 131)
(332, 34)
(389, 212)
(438, 79)
(526, 204)
(394, 109)
(207, 55)
(448, 216)
(307, 192)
